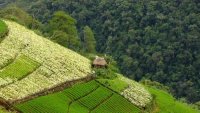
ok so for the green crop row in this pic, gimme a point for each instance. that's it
(21, 67)
(80, 90)
(95, 98)
(3, 30)
(117, 104)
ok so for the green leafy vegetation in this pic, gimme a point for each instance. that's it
(14, 13)
(100, 100)
(95, 98)
(21, 67)
(110, 106)
(77, 108)
(80, 90)
(89, 40)
(54, 103)
(115, 84)
(3, 30)
(62, 29)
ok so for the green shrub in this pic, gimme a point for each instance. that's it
(105, 73)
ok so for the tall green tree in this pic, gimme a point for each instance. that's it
(62, 28)
(89, 40)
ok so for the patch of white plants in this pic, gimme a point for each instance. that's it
(136, 93)
(58, 64)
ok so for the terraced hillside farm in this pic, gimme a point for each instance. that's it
(89, 97)
(30, 63)
(33, 70)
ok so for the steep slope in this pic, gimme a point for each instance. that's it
(39, 63)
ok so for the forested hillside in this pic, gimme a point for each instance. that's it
(151, 39)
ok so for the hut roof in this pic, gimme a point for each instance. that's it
(100, 61)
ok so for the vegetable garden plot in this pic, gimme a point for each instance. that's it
(76, 107)
(80, 90)
(3, 30)
(21, 67)
(53, 103)
(116, 104)
(95, 98)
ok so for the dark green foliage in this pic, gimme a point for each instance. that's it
(104, 73)
(155, 85)
(62, 29)
(89, 42)
(197, 104)
(14, 13)
(154, 39)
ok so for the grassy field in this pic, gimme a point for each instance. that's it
(168, 104)
(21, 67)
(81, 98)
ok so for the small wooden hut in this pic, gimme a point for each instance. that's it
(99, 62)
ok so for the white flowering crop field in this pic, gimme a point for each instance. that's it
(129, 89)
(46, 64)
(136, 93)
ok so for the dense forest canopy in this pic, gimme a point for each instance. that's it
(150, 39)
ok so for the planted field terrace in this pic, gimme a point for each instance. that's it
(90, 97)
(129, 89)
(21, 67)
(30, 64)
(3, 30)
